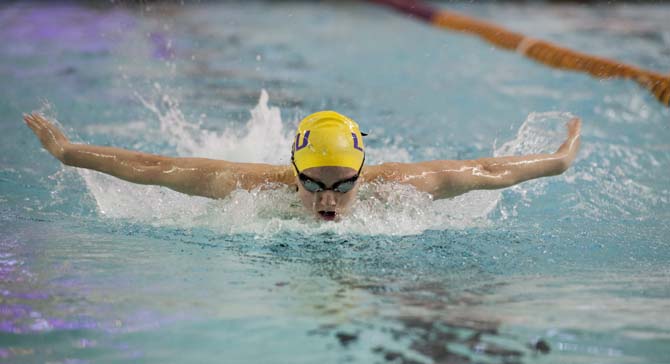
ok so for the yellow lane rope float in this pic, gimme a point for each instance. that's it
(542, 51)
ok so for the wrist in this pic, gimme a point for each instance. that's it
(65, 153)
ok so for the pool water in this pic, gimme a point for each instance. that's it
(568, 269)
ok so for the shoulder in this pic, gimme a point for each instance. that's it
(257, 173)
(227, 177)
(379, 172)
(437, 177)
(401, 172)
(390, 172)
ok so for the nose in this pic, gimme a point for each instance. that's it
(328, 199)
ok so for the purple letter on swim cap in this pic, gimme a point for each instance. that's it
(356, 142)
(305, 140)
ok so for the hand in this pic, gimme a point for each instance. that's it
(574, 127)
(52, 139)
(570, 147)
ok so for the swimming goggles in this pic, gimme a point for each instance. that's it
(343, 186)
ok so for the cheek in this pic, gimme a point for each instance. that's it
(307, 198)
(348, 198)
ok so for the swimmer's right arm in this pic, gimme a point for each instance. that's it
(194, 176)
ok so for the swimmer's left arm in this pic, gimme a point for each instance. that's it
(449, 178)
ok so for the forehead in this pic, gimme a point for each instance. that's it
(329, 174)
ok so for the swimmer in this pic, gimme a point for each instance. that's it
(327, 166)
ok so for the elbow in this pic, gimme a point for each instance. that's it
(491, 178)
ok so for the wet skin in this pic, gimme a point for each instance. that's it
(218, 178)
(328, 205)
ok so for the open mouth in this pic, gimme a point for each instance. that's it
(328, 215)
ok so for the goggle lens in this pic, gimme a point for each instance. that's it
(311, 186)
(344, 187)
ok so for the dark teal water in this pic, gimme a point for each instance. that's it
(570, 269)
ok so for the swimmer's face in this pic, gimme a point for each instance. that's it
(328, 204)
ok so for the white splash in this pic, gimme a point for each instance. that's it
(540, 133)
(382, 209)
(263, 139)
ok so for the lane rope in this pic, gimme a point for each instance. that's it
(544, 52)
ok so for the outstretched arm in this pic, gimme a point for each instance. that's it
(193, 176)
(448, 178)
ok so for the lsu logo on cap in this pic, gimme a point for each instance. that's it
(327, 138)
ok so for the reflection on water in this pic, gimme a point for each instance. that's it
(396, 299)
(417, 326)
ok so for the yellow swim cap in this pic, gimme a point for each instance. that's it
(328, 139)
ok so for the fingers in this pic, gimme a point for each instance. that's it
(43, 127)
(52, 139)
(35, 121)
(33, 124)
(30, 121)
(574, 126)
